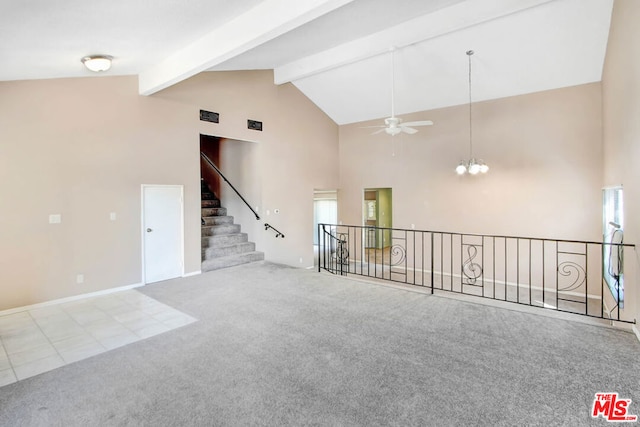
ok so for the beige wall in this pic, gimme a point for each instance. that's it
(621, 112)
(83, 147)
(296, 151)
(545, 154)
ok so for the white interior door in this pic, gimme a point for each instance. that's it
(162, 207)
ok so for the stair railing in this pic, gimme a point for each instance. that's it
(278, 233)
(204, 156)
(333, 251)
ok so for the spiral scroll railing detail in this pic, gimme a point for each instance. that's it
(576, 274)
(398, 254)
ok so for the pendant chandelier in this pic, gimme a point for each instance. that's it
(471, 166)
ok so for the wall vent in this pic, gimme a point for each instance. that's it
(209, 116)
(254, 125)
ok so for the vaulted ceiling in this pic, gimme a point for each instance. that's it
(337, 52)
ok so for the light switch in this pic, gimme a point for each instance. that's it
(55, 219)
(112, 216)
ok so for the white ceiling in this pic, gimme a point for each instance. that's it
(337, 52)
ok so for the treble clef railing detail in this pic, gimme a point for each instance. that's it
(472, 271)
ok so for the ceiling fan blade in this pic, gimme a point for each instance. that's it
(369, 127)
(418, 123)
(408, 130)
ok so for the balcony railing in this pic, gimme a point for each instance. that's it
(580, 277)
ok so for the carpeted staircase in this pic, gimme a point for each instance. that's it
(223, 245)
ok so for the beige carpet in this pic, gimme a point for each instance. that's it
(281, 346)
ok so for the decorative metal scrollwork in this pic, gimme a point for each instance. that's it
(570, 269)
(342, 253)
(398, 254)
(471, 270)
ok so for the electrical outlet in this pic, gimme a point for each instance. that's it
(112, 216)
(80, 278)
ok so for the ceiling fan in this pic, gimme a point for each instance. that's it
(393, 125)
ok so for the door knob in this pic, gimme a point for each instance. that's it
(149, 230)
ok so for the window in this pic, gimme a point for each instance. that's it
(612, 226)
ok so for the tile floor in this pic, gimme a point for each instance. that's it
(42, 339)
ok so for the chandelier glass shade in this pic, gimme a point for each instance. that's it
(472, 167)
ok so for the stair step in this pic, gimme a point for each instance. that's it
(208, 196)
(221, 251)
(224, 240)
(216, 230)
(210, 203)
(214, 212)
(231, 260)
(217, 220)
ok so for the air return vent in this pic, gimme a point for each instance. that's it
(254, 125)
(209, 116)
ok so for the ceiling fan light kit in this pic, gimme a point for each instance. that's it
(393, 125)
(471, 166)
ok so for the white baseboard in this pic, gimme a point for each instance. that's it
(193, 273)
(635, 330)
(69, 299)
(487, 280)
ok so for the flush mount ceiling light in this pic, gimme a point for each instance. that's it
(472, 165)
(97, 63)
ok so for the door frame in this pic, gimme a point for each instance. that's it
(142, 226)
(381, 236)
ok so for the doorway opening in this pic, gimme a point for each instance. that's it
(377, 217)
(230, 197)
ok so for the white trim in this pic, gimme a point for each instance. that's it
(193, 273)
(636, 331)
(143, 277)
(227, 137)
(69, 299)
(487, 280)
